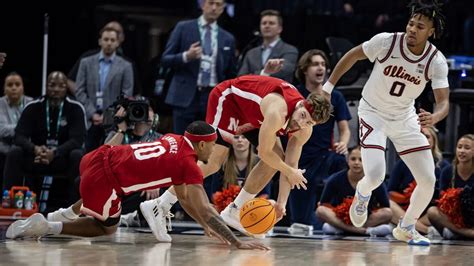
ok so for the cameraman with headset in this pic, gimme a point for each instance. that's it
(128, 132)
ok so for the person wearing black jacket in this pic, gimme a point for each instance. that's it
(49, 136)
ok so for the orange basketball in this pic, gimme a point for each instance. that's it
(257, 216)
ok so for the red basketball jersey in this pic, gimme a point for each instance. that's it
(242, 97)
(144, 166)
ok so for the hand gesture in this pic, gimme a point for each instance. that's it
(251, 245)
(194, 51)
(425, 118)
(296, 178)
(340, 147)
(273, 66)
(120, 114)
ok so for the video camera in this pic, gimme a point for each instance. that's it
(136, 111)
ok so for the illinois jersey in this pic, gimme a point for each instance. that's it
(234, 105)
(398, 76)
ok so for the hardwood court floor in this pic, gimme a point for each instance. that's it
(128, 247)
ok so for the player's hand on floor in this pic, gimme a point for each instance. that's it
(211, 234)
(297, 179)
(251, 245)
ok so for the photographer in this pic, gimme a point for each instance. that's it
(127, 132)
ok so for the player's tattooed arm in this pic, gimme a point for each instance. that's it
(217, 225)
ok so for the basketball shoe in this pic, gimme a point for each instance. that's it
(156, 219)
(410, 235)
(231, 216)
(358, 210)
(35, 226)
(60, 216)
(331, 230)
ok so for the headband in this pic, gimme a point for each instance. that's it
(198, 138)
(308, 107)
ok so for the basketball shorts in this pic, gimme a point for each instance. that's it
(404, 131)
(98, 193)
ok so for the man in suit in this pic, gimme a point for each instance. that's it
(101, 79)
(72, 75)
(202, 55)
(284, 56)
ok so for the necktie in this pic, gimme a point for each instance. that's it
(265, 54)
(206, 50)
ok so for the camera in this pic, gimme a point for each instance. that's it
(136, 111)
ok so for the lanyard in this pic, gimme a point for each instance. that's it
(144, 138)
(48, 119)
(14, 113)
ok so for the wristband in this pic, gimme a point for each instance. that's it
(328, 87)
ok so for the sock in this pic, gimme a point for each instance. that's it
(69, 213)
(379, 230)
(55, 228)
(242, 198)
(167, 200)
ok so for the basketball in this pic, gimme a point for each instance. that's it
(257, 216)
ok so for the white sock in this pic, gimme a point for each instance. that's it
(55, 228)
(167, 200)
(242, 198)
(70, 214)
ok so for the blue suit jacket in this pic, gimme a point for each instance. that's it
(183, 84)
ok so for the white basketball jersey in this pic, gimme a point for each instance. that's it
(398, 76)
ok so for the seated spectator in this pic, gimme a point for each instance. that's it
(240, 161)
(337, 197)
(101, 79)
(11, 106)
(402, 183)
(48, 137)
(322, 155)
(257, 60)
(454, 216)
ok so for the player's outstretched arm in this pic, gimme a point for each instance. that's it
(195, 201)
(344, 64)
(292, 156)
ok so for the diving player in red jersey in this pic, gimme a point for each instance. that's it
(110, 172)
(262, 109)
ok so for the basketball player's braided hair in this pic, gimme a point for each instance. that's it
(322, 108)
(432, 10)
